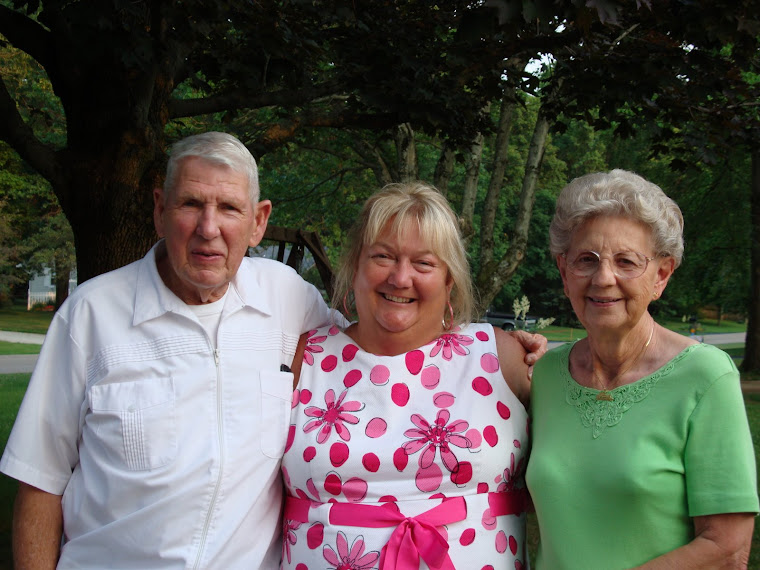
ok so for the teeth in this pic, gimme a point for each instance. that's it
(397, 299)
(602, 300)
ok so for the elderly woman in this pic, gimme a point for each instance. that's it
(641, 454)
(409, 427)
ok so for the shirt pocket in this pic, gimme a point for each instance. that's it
(136, 421)
(276, 396)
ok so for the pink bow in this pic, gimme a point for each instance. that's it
(414, 537)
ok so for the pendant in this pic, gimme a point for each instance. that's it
(605, 396)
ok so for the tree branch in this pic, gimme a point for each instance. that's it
(25, 34)
(20, 136)
(243, 100)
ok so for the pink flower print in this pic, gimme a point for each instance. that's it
(451, 343)
(511, 475)
(288, 537)
(334, 415)
(350, 559)
(438, 436)
(312, 345)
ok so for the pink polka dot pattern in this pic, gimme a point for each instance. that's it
(333, 484)
(475, 438)
(352, 377)
(443, 400)
(501, 542)
(371, 462)
(400, 394)
(482, 386)
(434, 424)
(376, 427)
(349, 351)
(329, 363)
(355, 489)
(489, 362)
(467, 537)
(414, 360)
(379, 375)
(315, 535)
(431, 376)
(491, 436)
(463, 475)
(429, 478)
(400, 459)
(338, 453)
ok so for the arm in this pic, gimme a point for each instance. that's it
(295, 367)
(512, 357)
(721, 541)
(37, 528)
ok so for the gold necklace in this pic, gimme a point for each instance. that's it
(604, 394)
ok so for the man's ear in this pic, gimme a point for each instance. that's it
(261, 217)
(158, 211)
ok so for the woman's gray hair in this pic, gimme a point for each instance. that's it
(217, 148)
(393, 207)
(617, 193)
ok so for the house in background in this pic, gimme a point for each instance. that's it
(42, 288)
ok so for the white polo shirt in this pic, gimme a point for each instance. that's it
(166, 451)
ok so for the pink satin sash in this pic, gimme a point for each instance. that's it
(414, 537)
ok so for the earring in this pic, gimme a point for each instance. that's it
(655, 295)
(451, 318)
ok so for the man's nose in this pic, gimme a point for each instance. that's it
(208, 223)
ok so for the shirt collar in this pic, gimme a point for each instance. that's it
(153, 298)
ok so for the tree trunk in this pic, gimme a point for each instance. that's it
(492, 277)
(407, 153)
(751, 362)
(444, 169)
(470, 192)
(108, 200)
(61, 284)
(488, 219)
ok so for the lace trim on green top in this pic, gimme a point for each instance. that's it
(601, 414)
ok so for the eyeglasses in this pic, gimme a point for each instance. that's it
(624, 264)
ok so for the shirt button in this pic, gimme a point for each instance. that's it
(131, 408)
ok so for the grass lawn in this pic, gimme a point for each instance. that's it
(16, 318)
(706, 326)
(18, 348)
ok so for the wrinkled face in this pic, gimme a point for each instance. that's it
(401, 288)
(603, 300)
(208, 222)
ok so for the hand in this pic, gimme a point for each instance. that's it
(534, 345)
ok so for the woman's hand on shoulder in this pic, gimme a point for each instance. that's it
(512, 361)
(535, 346)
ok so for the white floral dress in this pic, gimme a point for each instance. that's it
(409, 461)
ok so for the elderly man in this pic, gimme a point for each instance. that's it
(153, 427)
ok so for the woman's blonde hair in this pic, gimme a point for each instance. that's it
(394, 207)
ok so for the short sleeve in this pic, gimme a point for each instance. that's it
(42, 448)
(719, 458)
